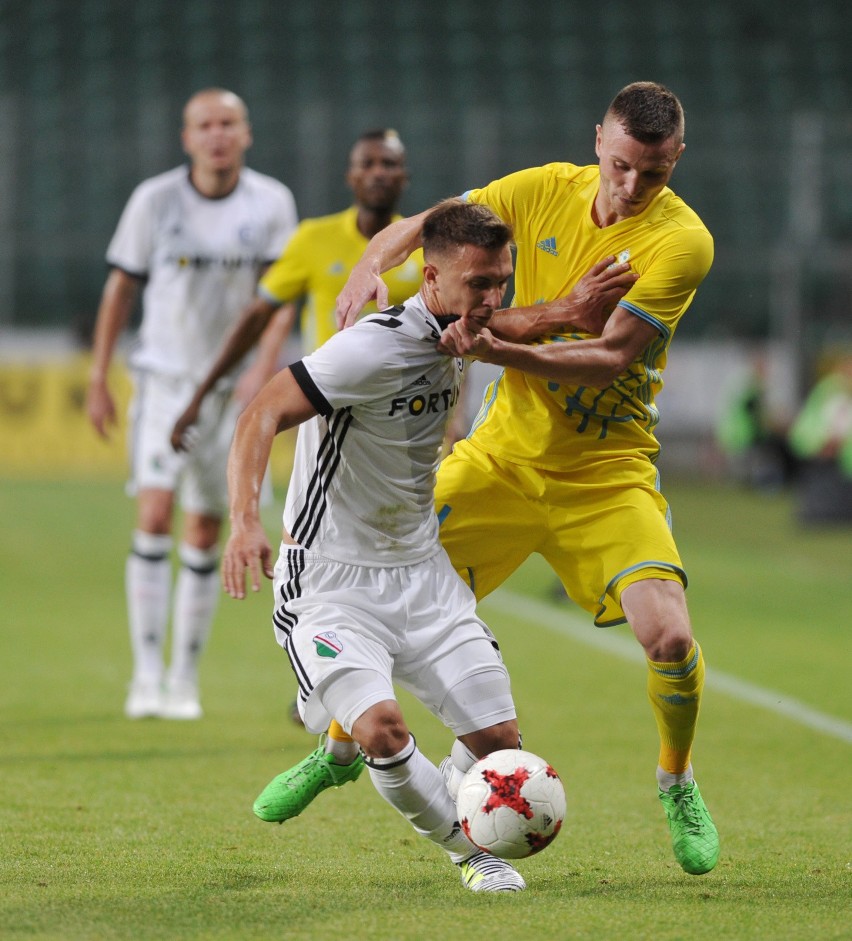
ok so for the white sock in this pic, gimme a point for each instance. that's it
(344, 752)
(196, 598)
(462, 759)
(412, 784)
(665, 779)
(148, 582)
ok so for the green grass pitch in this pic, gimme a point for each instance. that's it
(118, 830)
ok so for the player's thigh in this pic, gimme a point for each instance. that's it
(491, 516)
(603, 531)
(204, 487)
(341, 670)
(450, 659)
(468, 690)
(324, 620)
(154, 465)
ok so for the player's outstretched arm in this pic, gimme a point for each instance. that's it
(595, 362)
(117, 301)
(279, 405)
(253, 321)
(386, 250)
(587, 307)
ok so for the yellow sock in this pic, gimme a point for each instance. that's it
(335, 731)
(674, 690)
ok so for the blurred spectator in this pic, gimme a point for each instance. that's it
(754, 440)
(822, 437)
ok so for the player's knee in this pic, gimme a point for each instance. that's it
(494, 738)
(669, 642)
(656, 610)
(154, 512)
(381, 731)
(201, 530)
(670, 647)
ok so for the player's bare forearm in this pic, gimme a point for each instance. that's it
(247, 549)
(255, 430)
(247, 462)
(594, 366)
(587, 307)
(594, 362)
(254, 319)
(273, 338)
(281, 404)
(252, 323)
(272, 342)
(117, 301)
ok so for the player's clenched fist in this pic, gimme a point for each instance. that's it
(458, 340)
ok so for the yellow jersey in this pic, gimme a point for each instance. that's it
(544, 424)
(315, 265)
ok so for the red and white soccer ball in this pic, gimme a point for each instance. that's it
(511, 804)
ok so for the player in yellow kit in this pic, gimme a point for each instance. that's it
(317, 261)
(561, 459)
(595, 439)
(316, 264)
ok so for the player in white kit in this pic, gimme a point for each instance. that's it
(365, 596)
(197, 238)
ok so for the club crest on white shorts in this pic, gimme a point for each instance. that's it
(328, 644)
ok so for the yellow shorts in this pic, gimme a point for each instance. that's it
(600, 528)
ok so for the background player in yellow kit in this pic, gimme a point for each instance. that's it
(561, 459)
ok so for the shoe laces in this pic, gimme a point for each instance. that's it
(688, 810)
(304, 769)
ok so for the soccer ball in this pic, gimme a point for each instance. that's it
(511, 804)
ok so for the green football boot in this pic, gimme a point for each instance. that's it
(695, 840)
(290, 792)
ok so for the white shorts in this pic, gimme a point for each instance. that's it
(365, 628)
(157, 402)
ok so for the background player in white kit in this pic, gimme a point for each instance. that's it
(198, 238)
(365, 596)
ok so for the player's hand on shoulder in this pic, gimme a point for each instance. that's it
(362, 287)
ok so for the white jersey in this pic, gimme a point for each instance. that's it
(364, 472)
(201, 258)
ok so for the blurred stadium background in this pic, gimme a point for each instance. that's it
(90, 99)
(103, 832)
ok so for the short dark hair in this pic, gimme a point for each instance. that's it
(648, 112)
(381, 134)
(454, 222)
